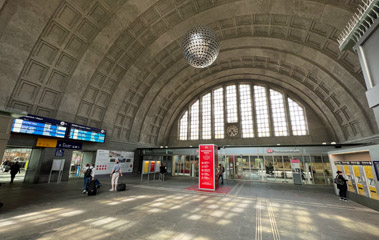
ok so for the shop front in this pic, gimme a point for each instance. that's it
(253, 163)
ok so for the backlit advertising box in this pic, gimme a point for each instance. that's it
(208, 164)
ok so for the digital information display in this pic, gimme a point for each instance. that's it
(39, 126)
(79, 132)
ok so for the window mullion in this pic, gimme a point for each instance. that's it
(189, 123)
(253, 112)
(287, 112)
(270, 116)
(200, 118)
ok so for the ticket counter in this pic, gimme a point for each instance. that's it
(360, 169)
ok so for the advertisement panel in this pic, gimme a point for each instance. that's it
(361, 190)
(373, 192)
(105, 160)
(207, 167)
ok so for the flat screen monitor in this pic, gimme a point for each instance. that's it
(84, 133)
(37, 125)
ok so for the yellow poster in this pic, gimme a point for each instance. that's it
(146, 167)
(356, 171)
(46, 142)
(26, 165)
(368, 171)
(347, 170)
(361, 191)
(339, 168)
(350, 187)
(373, 193)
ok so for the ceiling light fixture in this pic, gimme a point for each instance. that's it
(200, 46)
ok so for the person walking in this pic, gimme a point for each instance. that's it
(87, 177)
(15, 168)
(341, 185)
(221, 171)
(115, 174)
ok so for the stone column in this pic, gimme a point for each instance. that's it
(5, 132)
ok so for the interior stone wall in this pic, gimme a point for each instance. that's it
(117, 64)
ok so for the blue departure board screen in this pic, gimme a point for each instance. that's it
(84, 133)
(36, 125)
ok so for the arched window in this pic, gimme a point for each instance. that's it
(278, 113)
(206, 119)
(298, 122)
(246, 111)
(261, 111)
(218, 103)
(255, 110)
(195, 121)
(183, 127)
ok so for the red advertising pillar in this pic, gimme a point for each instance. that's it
(208, 163)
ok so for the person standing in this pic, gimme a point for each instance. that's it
(221, 171)
(115, 174)
(15, 168)
(87, 177)
(341, 185)
(162, 170)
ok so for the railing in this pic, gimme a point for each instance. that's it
(361, 21)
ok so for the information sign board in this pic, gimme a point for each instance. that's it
(84, 133)
(37, 125)
(207, 167)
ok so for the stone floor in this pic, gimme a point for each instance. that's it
(164, 210)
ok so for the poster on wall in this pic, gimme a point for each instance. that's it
(105, 160)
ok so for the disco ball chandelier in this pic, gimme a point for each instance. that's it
(200, 46)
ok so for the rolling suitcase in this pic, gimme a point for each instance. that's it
(91, 188)
(121, 187)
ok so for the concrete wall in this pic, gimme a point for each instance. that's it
(368, 51)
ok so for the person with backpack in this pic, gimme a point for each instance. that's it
(221, 171)
(87, 177)
(341, 185)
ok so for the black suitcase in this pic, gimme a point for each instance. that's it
(121, 187)
(91, 188)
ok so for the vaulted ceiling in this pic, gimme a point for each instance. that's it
(118, 65)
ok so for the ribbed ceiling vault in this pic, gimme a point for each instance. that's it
(118, 64)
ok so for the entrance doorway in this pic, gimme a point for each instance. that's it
(11, 156)
(185, 165)
(76, 164)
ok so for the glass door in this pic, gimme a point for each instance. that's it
(243, 168)
(256, 166)
(76, 164)
(279, 169)
(231, 168)
(287, 169)
(269, 171)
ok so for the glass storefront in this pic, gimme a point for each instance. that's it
(314, 168)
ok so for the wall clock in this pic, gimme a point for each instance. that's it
(232, 130)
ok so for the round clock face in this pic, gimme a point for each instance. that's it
(232, 130)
